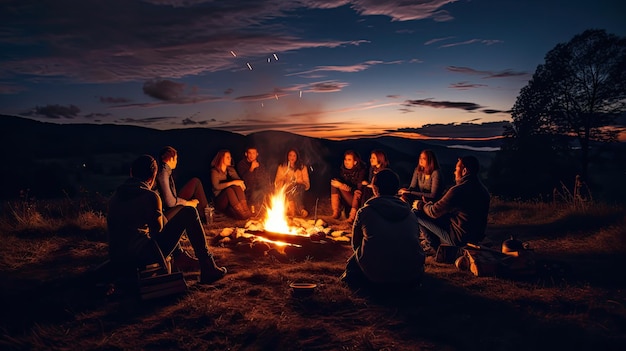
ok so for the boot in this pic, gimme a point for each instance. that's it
(241, 212)
(246, 208)
(335, 203)
(209, 271)
(352, 215)
(184, 262)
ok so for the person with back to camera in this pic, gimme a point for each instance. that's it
(255, 176)
(385, 239)
(345, 190)
(460, 216)
(228, 187)
(378, 162)
(191, 194)
(139, 233)
(426, 183)
(293, 176)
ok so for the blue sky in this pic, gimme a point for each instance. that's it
(332, 69)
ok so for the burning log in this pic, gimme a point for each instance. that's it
(278, 234)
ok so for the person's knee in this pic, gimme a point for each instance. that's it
(188, 212)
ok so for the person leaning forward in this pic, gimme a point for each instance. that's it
(135, 223)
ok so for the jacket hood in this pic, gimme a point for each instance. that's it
(131, 188)
(390, 207)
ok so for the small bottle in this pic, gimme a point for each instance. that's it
(209, 212)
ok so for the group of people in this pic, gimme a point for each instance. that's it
(397, 227)
(394, 227)
(236, 190)
(148, 214)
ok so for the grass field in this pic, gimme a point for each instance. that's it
(50, 299)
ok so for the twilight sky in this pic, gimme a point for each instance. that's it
(322, 68)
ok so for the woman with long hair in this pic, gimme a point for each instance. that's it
(228, 187)
(292, 175)
(345, 189)
(426, 181)
(378, 162)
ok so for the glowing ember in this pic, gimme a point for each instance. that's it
(275, 242)
(276, 217)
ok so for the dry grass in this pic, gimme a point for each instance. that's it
(50, 301)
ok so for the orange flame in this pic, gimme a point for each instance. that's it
(276, 220)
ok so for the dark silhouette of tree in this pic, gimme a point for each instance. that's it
(570, 103)
(579, 91)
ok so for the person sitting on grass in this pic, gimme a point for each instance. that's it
(426, 182)
(385, 240)
(191, 194)
(460, 216)
(378, 162)
(292, 176)
(228, 187)
(255, 176)
(345, 190)
(139, 233)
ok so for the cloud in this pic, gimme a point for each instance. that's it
(486, 74)
(54, 111)
(258, 97)
(459, 130)
(191, 122)
(473, 41)
(165, 90)
(114, 100)
(492, 111)
(145, 121)
(436, 40)
(97, 115)
(10, 89)
(345, 69)
(165, 38)
(468, 106)
(327, 87)
(170, 92)
(402, 10)
(156, 38)
(466, 85)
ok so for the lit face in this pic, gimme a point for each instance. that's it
(459, 171)
(251, 155)
(227, 159)
(173, 162)
(374, 160)
(349, 162)
(423, 161)
(292, 157)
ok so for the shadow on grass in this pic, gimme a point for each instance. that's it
(441, 316)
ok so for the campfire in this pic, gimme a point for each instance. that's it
(276, 232)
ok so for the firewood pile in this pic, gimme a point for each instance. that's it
(307, 237)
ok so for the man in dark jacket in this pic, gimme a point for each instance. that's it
(385, 239)
(137, 233)
(460, 216)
